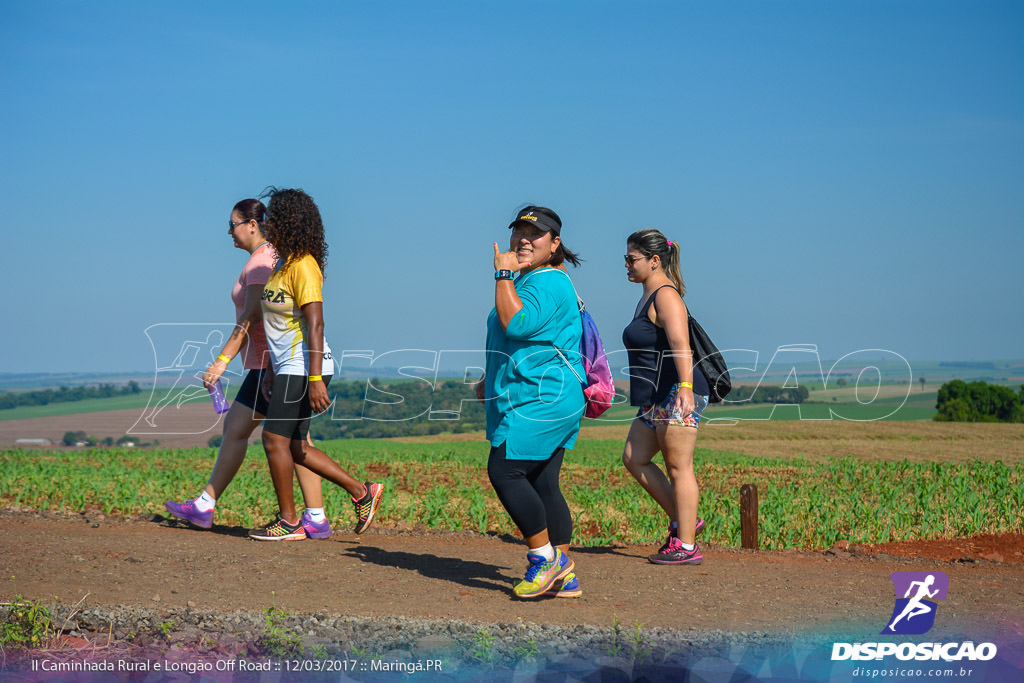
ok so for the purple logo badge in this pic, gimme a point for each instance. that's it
(916, 595)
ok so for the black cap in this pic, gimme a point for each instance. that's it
(539, 219)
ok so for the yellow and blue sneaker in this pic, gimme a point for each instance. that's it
(566, 587)
(543, 574)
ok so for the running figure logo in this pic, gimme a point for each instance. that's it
(914, 612)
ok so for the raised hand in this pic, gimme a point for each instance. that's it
(507, 260)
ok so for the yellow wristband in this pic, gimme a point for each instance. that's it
(316, 378)
(223, 358)
(686, 384)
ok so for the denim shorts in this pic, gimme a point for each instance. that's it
(666, 413)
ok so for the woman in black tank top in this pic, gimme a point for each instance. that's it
(671, 393)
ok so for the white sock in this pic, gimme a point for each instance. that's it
(547, 551)
(205, 502)
(315, 514)
(688, 546)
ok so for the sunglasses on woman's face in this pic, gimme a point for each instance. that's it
(630, 260)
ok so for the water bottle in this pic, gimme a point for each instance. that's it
(220, 404)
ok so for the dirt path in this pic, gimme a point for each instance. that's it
(464, 576)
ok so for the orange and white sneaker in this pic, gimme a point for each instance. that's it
(367, 506)
(279, 530)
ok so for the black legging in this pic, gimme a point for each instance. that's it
(529, 491)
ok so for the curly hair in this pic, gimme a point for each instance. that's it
(293, 227)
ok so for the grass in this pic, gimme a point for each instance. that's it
(27, 624)
(803, 504)
(278, 640)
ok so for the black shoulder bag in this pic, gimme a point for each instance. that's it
(709, 359)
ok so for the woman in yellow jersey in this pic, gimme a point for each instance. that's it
(301, 363)
(245, 226)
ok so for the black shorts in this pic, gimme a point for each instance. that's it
(289, 411)
(249, 394)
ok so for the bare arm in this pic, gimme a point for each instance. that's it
(314, 313)
(252, 315)
(506, 301)
(673, 318)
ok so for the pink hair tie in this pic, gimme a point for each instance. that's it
(670, 243)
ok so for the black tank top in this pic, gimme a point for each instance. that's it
(652, 372)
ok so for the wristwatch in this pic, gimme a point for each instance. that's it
(503, 275)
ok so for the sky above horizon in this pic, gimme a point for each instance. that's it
(846, 175)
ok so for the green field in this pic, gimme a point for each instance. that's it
(820, 406)
(444, 485)
(892, 403)
(98, 405)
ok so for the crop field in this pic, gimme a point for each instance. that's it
(890, 402)
(804, 503)
(99, 405)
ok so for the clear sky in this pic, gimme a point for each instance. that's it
(843, 174)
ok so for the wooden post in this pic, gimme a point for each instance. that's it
(748, 516)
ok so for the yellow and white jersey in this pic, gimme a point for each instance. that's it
(284, 295)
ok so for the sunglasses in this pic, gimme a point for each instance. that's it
(630, 260)
(234, 224)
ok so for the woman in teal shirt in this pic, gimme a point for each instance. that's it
(534, 401)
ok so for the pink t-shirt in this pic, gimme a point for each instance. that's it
(256, 272)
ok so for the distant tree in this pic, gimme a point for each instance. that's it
(955, 410)
(71, 438)
(922, 381)
(841, 382)
(979, 401)
(215, 441)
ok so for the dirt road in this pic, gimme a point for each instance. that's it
(465, 576)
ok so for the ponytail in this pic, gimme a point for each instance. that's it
(651, 242)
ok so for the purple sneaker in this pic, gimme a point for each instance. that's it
(188, 512)
(316, 529)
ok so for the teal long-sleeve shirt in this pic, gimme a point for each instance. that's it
(534, 403)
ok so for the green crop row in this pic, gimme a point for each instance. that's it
(444, 486)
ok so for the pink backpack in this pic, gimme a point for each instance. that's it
(598, 388)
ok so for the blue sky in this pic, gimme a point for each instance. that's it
(843, 174)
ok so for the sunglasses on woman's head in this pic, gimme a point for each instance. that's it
(630, 260)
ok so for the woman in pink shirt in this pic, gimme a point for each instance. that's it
(250, 406)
